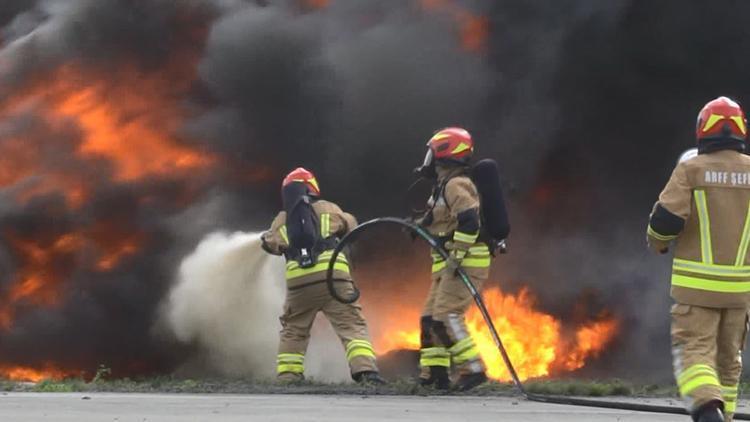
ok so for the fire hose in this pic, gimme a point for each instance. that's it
(438, 248)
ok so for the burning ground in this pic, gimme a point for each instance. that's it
(130, 129)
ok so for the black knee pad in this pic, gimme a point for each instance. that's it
(425, 335)
(441, 332)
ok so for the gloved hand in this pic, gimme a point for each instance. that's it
(266, 247)
(657, 246)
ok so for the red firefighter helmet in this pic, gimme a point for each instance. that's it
(721, 119)
(451, 145)
(301, 175)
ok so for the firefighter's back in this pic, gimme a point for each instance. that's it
(711, 264)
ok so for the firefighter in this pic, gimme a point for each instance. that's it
(704, 210)
(454, 218)
(306, 232)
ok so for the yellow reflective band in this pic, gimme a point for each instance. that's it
(291, 357)
(290, 362)
(730, 406)
(282, 231)
(653, 233)
(705, 225)
(434, 356)
(479, 250)
(293, 368)
(465, 237)
(711, 285)
(292, 265)
(354, 343)
(697, 382)
(438, 266)
(476, 262)
(463, 146)
(694, 370)
(357, 348)
(711, 269)
(712, 120)
(740, 122)
(440, 136)
(319, 267)
(742, 251)
(313, 181)
(464, 351)
(325, 225)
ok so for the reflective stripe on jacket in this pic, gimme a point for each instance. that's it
(711, 192)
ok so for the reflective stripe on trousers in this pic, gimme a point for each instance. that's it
(695, 377)
(290, 362)
(357, 348)
(434, 356)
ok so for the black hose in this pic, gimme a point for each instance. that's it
(437, 247)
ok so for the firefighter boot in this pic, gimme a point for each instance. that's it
(368, 377)
(436, 376)
(468, 381)
(709, 412)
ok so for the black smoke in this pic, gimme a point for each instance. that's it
(585, 104)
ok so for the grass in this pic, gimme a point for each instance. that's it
(168, 384)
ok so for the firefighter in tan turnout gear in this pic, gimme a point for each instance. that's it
(305, 233)
(454, 218)
(705, 210)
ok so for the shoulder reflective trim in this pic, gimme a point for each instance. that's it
(653, 233)
(744, 241)
(711, 269)
(711, 285)
(705, 226)
(282, 231)
(325, 225)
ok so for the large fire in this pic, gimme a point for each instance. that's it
(537, 343)
(124, 125)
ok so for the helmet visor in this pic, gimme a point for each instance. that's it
(428, 158)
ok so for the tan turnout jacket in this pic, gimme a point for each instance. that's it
(333, 222)
(711, 192)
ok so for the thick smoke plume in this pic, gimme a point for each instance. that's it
(130, 129)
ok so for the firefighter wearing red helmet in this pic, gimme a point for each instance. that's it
(453, 217)
(306, 232)
(704, 211)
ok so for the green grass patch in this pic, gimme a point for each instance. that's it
(400, 387)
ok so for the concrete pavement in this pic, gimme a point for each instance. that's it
(100, 407)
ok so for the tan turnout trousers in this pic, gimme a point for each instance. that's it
(300, 309)
(447, 302)
(707, 344)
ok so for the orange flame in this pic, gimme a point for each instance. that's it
(474, 30)
(534, 340)
(23, 373)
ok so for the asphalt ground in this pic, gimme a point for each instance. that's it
(90, 407)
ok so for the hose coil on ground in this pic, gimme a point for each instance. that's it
(435, 245)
